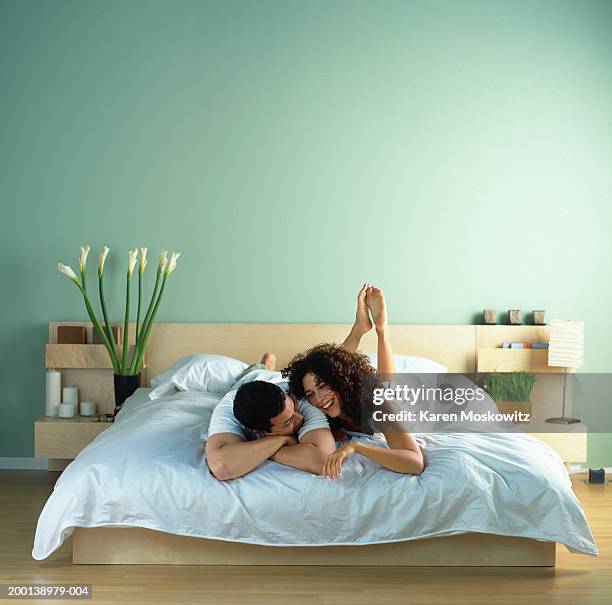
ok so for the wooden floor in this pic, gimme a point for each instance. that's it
(577, 579)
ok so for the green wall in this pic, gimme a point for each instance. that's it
(458, 154)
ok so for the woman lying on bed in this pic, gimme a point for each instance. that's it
(331, 378)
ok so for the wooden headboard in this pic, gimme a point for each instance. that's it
(462, 349)
(453, 346)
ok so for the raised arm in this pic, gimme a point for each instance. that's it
(310, 454)
(230, 456)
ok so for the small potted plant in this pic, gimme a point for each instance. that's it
(511, 391)
(126, 368)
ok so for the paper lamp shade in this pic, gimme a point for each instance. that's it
(566, 346)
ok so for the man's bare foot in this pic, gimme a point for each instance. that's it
(269, 360)
(362, 317)
(375, 299)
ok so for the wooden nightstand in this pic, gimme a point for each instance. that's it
(88, 367)
(61, 439)
(569, 440)
(571, 445)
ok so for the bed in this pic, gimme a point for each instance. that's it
(141, 491)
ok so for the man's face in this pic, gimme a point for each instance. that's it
(288, 421)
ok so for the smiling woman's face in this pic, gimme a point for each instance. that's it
(321, 395)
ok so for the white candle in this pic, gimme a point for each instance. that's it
(70, 395)
(66, 410)
(88, 408)
(53, 392)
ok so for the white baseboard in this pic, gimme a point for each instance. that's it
(40, 464)
(32, 464)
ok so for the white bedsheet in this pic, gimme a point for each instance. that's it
(148, 470)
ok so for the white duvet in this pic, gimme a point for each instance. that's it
(148, 470)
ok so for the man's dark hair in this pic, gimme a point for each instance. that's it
(256, 403)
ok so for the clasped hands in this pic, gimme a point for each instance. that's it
(333, 464)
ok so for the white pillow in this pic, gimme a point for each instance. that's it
(210, 373)
(409, 364)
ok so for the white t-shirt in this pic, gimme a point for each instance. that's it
(224, 421)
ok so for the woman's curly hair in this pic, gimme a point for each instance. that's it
(349, 374)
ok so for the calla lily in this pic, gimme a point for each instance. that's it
(143, 265)
(172, 264)
(103, 254)
(122, 365)
(132, 260)
(163, 261)
(83, 258)
(68, 272)
(143, 258)
(165, 268)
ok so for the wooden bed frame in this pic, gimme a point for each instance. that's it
(454, 346)
(127, 545)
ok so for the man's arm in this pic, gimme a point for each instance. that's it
(310, 454)
(230, 456)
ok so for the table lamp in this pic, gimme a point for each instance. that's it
(565, 350)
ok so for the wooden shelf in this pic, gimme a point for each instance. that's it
(77, 419)
(491, 337)
(64, 438)
(515, 360)
(79, 356)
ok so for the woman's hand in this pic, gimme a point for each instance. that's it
(333, 464)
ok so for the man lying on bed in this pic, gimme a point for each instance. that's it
(279, 427)
(261, 421)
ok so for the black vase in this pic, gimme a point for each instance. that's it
(124, 387)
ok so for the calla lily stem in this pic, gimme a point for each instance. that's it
(143, 330)
(139, 299)
(149, 324)
(107, 325)
(98, 329)
(124, 360)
